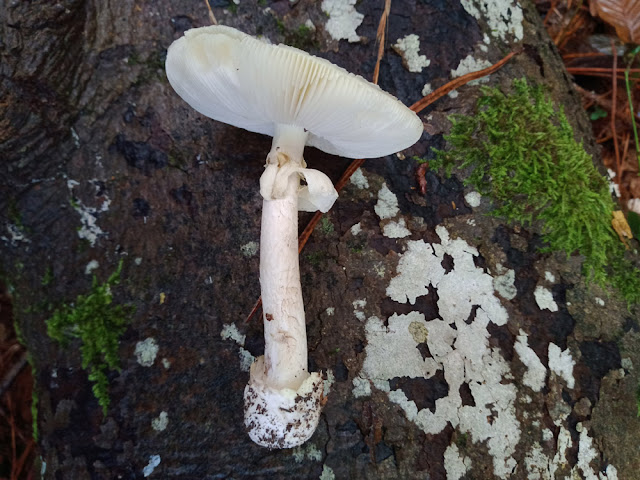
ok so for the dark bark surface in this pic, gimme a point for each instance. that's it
(101, 161)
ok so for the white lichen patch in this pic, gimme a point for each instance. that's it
(599, 301)
(356, 229)
(160, 423)
(586, 454)
(549, 277)
(393, 229)
(426, 90)
(146, 352)
(358, 309)
(503, 17)
(544, 299)
(536, 373)
(418, 268)
(249, 249)
(455, 465)
(230, 332)
(561, 363)
(89, 229)
(471, 64)
(385, 343)
(308, 451)
(359, 180)
(327, 473)
(154, 461)
(387, 205)
(166, 363)
(16, 234)
(408, 48)
(361, 387)
(246, 359)
(90, 267)
(453, 94)
(538, 465)
(343, 19)
(504, 284)
(473, 199)
(460, 349)
(328, 382)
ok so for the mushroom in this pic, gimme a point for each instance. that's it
(299, 100)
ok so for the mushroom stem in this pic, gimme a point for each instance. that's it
(285, 336)
(283, 400)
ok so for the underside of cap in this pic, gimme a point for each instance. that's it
(237, 79)
(281, 418)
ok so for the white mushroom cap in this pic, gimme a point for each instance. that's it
(281, 418)
(237, 79)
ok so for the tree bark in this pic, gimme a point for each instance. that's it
(103, 162)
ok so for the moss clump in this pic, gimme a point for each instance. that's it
(521, 152)
(303, 37)
(98, 323)
(47, 278)
(34, 406)
(326, 227)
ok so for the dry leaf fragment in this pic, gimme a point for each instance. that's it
(623, 15)
(622, 228)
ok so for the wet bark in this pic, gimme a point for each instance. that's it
(101, 161)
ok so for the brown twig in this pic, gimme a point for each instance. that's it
(13, 372)
(459, 82)
(420, 176)
(212, 17)
(552, 9)
(380, 38)
(571, 56)
(587, 70)
(614, 101)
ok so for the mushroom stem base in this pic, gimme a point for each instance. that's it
(281, 418)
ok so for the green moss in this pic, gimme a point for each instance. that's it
(47, 277)
(326, 226)
(315, 258)
(461, 441)
(98, 323)
(520, 151)
(14, 213)
(355, 246)
(303, 37)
